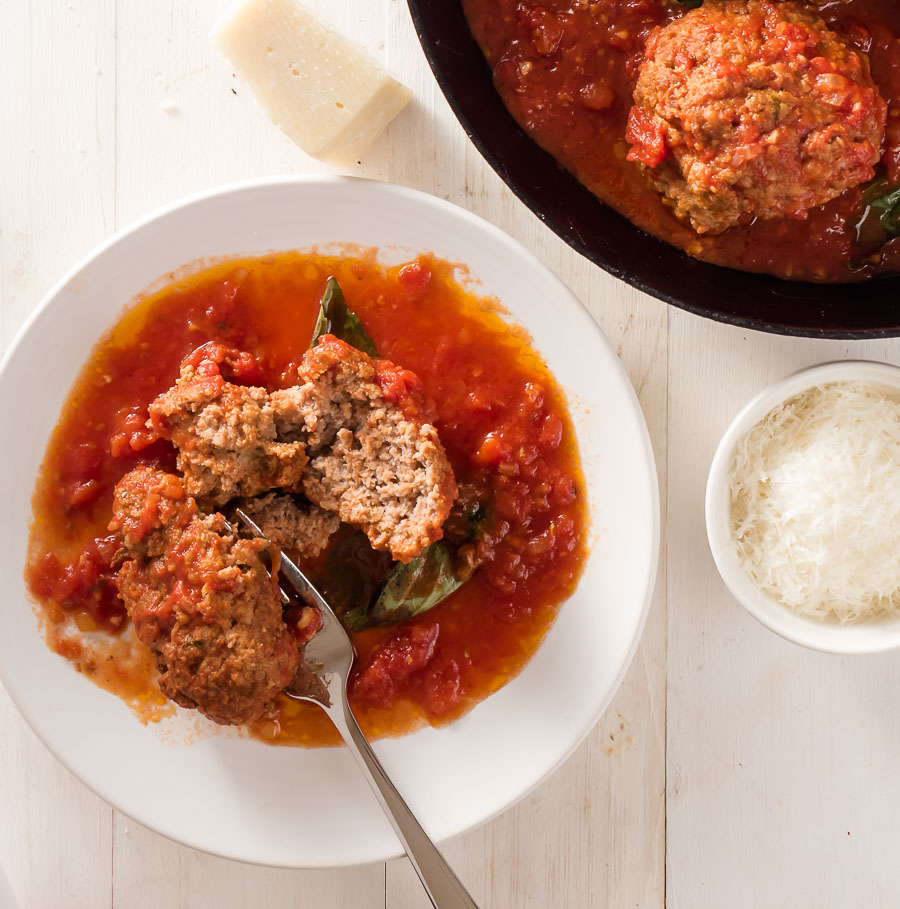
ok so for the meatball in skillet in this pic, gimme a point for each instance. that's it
(753, 109)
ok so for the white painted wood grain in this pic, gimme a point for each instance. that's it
(150, 872)
(56, 202)
(782, 782)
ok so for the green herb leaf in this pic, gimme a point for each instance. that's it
(475, 518)
(428, 579)
(410, 589)
(336, 318)
(889, 206)
(366, 588)
(353, 574)
(879, 215)
(692, 4)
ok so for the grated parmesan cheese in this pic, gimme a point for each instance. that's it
(815, 503)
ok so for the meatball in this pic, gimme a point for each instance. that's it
(374, 459)
(292, 524)
(201, 600)
(225, 433)
(147, 505)
(753, 109)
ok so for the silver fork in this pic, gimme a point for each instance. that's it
(322, 679)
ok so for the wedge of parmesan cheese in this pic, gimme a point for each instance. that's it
(317, 87)
(815, 502)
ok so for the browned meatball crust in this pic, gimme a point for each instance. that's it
(201, 600)
(753, 109)
(225, 434)
(374, 460)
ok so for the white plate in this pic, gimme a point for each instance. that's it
(292, 807)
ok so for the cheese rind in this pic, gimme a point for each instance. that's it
(316, 86)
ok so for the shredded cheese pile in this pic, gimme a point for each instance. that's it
(815, 503)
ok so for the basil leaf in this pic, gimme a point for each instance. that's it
(692, 4)
(889, 206)
(879, 215)
(336, 318)
(366, 588)
(413, 588)
(353, 574)
(475, 518)
(410, 589)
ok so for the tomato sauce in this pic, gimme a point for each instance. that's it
(500, 415)
(566, 70)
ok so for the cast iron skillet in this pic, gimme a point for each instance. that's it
(868, 310)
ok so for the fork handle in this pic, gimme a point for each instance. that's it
(444, 888)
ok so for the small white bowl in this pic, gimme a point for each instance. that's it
(829, 636)
(213, 789)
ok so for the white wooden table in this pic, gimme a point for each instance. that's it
(732, 769)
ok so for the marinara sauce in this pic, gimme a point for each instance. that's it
(566, 70)
(500, 415)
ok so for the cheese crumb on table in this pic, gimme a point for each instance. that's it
(316, 86)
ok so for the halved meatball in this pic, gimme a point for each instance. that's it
(374, 460)
(753, 109)
(201, 600)
(225, 433)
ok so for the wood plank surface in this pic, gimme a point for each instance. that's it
(57, 148)
(731, 770)
(782, 790)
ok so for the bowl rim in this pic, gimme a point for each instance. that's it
(824, 636)
(589, 324)
(782, 294)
